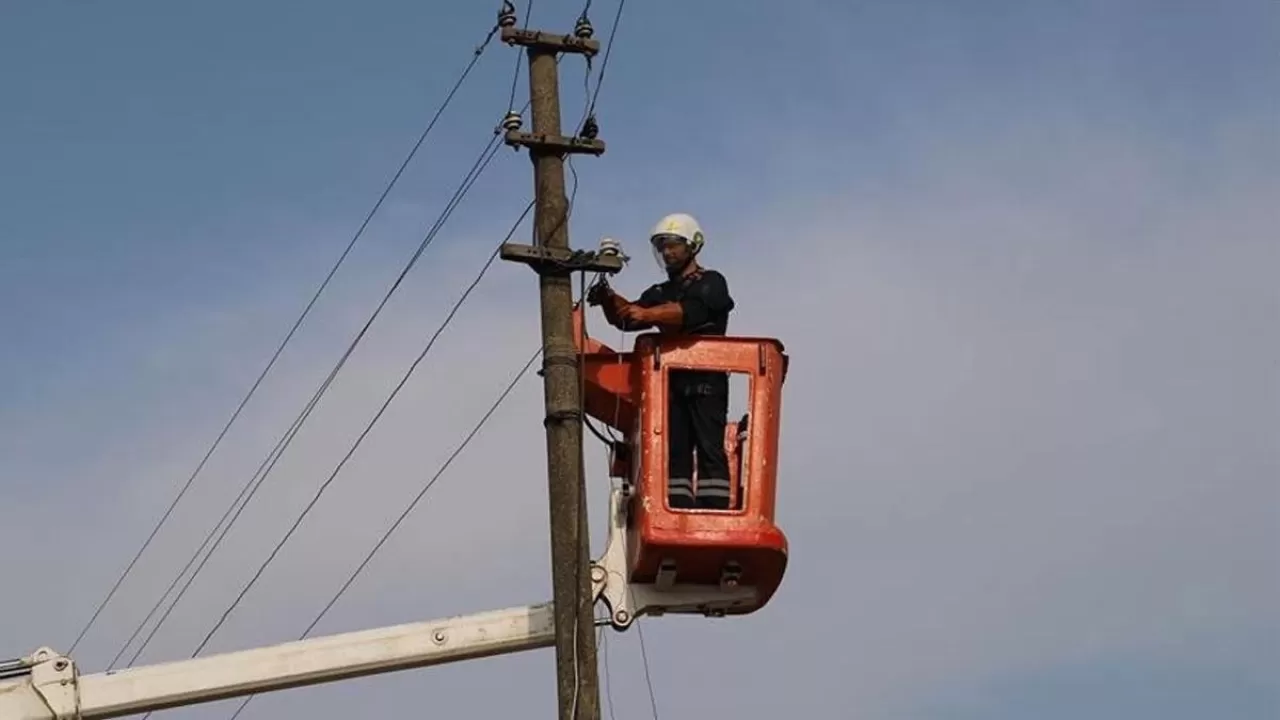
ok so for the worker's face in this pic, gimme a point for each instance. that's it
(674, 251)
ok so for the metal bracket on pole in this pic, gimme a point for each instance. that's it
(550, 42)
(539, 41)
(554, 144)
(548, 259)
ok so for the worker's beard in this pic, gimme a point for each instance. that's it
(674, 272)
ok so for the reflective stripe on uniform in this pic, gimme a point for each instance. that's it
(680, 486)
(713, 487)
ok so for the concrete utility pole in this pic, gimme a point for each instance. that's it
(576, 673)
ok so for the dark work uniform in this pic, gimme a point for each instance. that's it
(698, 404)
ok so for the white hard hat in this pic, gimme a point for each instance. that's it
(680, 225)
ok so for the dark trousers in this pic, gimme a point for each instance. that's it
(696, 419)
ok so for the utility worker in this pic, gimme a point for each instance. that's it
(692, 301)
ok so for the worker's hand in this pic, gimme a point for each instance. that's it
(633, 313)
(598, 293)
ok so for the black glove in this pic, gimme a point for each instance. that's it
(598, 293)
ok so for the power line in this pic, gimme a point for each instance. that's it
(378, 546)
(368, 428)
(648, 680)
(617, 17)
(588, 119)
(515, 77)
(479, 50)
(608, 680)
(264, 470)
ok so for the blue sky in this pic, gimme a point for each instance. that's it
(1022, 255)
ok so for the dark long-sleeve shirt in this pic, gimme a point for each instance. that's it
(705, 303)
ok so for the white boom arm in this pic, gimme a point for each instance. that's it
(52, 691)
(47, 686)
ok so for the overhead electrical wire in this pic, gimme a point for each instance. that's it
(273, 457)
(368, 428)
(573, 196)
(648, 680)
(515, 77)
(587, 127)
(604, 64)
(609, 442)
(466, 440)
(608, 48)
(395, 525)
(475, 57)
(250, 489)
(430, 483)
(608, 679)
(269, 463)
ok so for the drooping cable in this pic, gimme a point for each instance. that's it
(587, 127)
(577, 565)
(360, 568)
(423, 492)
(355, 446)
(604, 64)
(479, 50)
(515, 76)
(608, 678)
(250, 489)
(648, 679)
(582, 470)
(360, 439)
